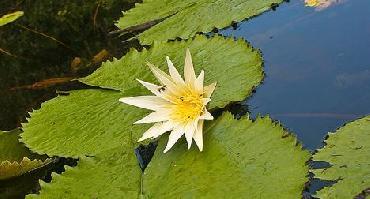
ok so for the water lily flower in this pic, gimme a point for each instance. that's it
(179, 105)
(322, 4)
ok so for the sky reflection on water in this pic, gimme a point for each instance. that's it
(317, 66)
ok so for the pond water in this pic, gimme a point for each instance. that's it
(317, 66)
(317, 61)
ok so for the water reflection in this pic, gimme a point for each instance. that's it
(316, 63)
(322, 4)
(356, 79)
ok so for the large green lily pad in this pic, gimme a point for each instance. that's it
(348, 152)
(241, 159)
(89, 121)
(184, 19)
(222, 60)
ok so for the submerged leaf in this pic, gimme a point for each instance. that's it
(15, 157)
(348, 152)
(10, 169)
(234, 65)
(240, 158)
(10, 17)
(183, 19)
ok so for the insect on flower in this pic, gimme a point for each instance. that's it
(179, 105)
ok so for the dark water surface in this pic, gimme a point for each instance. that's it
(317, 66)
(53, 42)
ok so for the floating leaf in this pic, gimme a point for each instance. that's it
(111, 174)
(348, 152)
(185, 18)
(240, 158)
(10, 17)
(84, 123)
(222, 60)
(15, 158)
(89, 121)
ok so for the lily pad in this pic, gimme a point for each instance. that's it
(251, 157)
(15, 158)
(111, 174)
(348, 152)
(176, 18)
(8, 18)
(221, 59)
(89, 121)
(82, 124)
(258, 159)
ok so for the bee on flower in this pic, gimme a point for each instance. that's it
(179, 104)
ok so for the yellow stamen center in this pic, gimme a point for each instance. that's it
(187, 107)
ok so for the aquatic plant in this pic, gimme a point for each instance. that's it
(171, 19)
(15, 158)
(348, 153)
(240, 158)
(179, 104)
(8, 18)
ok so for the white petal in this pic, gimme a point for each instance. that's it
(157, 130)
(189, 132)
(198, 85)
(151, 87)
(158, 116)
(173, 72)
(148, 102)
(163, 78)
(174, 136)
(198, 135)
(189, 73)
(206, 116)
(208, 90)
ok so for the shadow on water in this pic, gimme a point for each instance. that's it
(317, 66)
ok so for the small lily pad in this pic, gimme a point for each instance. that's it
(348, 152)
(8, 18)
